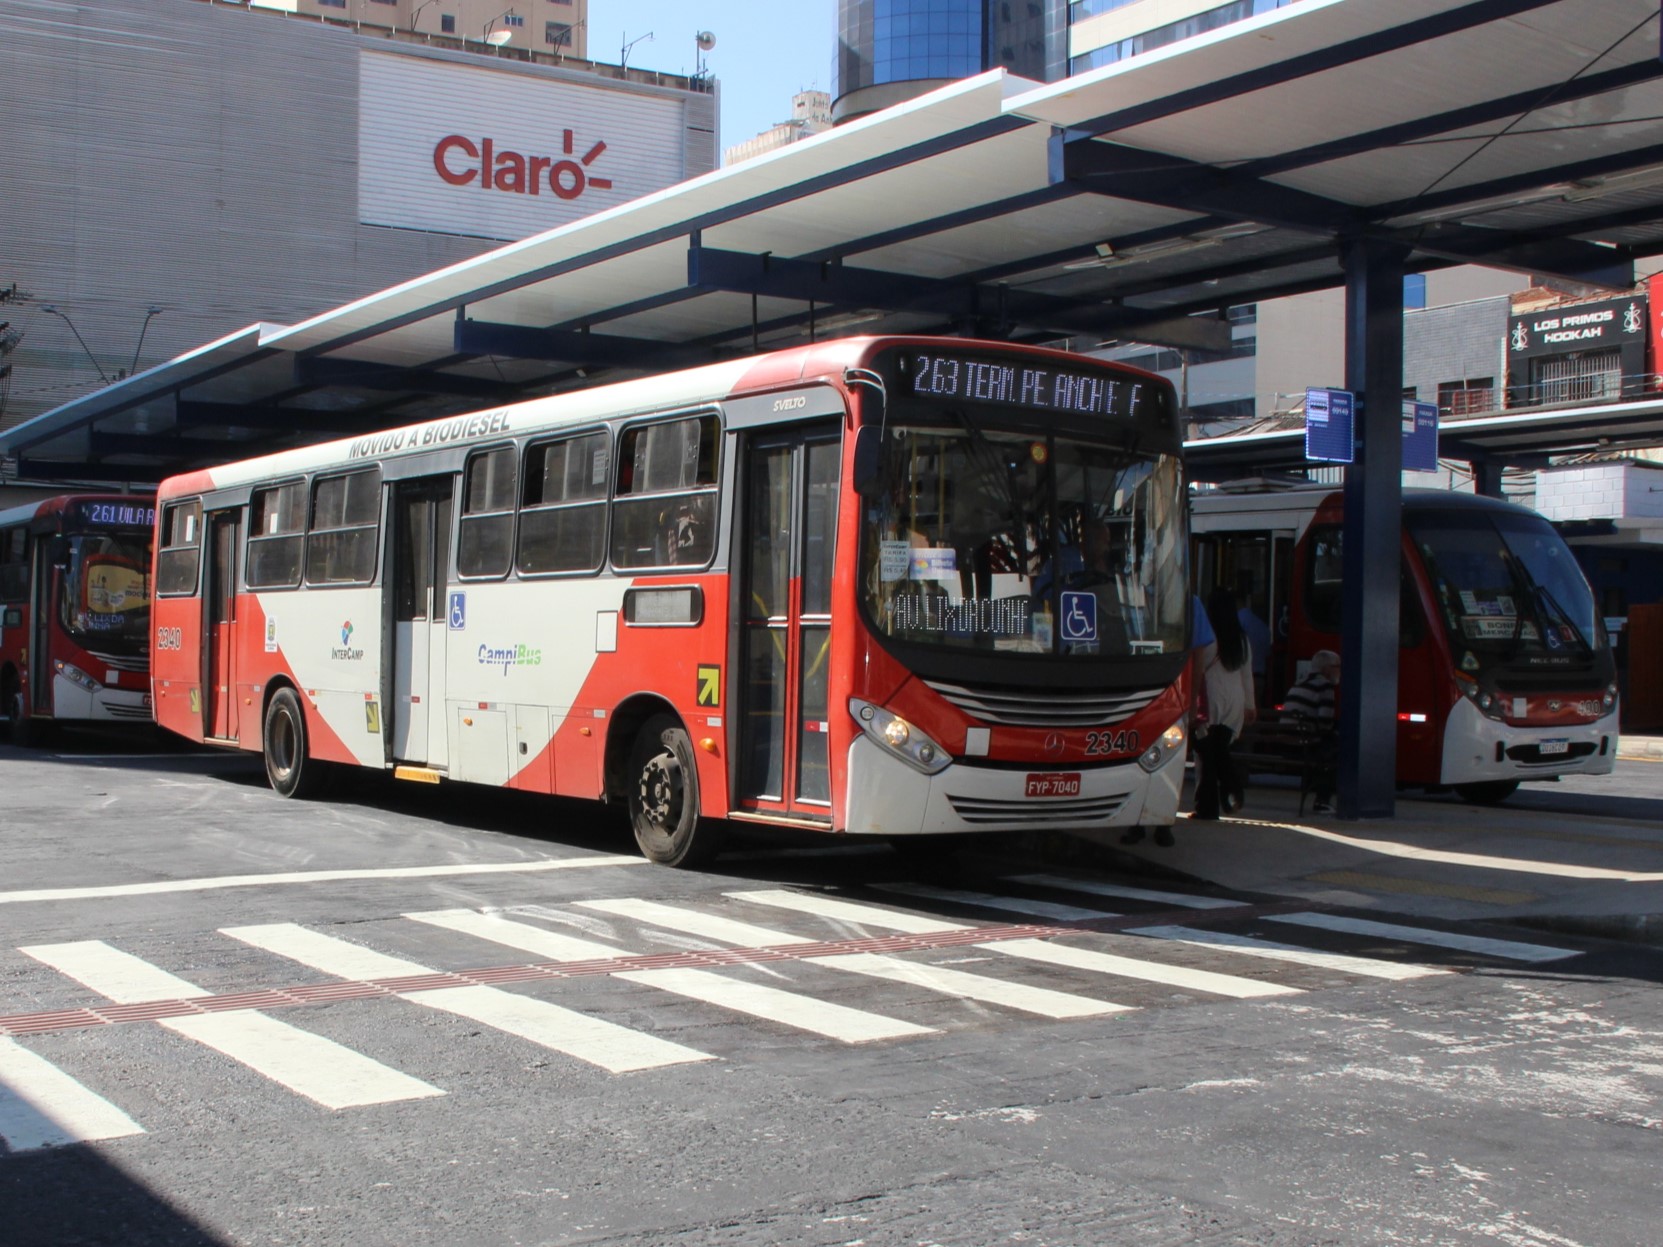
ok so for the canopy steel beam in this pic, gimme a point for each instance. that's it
(598, 350)
(53, 470)
(361, 374)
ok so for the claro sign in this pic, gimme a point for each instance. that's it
(462, 162)
(505, 153)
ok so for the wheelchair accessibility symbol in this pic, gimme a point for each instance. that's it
(458, 611)
(1079, 616)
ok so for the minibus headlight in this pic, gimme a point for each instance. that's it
(1610, 698)
(899, 737)
(1170, 742)
(76, 676)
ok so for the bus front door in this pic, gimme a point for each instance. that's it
(219, 686)
(790, 530)
(420, 562)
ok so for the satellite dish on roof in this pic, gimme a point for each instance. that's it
(499, 37)
(706, 40)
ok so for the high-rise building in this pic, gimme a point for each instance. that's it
(810, 115)
(1101, 32)
(893, 50)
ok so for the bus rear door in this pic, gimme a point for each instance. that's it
(420, 562)
(219, 650)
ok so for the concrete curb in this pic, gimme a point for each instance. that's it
(1640, 749)
(1644, 929)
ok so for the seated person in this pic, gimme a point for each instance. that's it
(1312, 700)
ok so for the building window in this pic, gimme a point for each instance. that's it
(557, 34)
(512, 19)
(331, 4)
(447, 24)
(1465, 398)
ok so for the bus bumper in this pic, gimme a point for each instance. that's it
(1479, 749)
(889, 798)
(72, 703)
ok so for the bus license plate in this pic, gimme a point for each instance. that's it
(1054, 784)
(1557, 745)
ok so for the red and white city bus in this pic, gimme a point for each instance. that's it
(1505, 673)
(75, 612)
(889, 586)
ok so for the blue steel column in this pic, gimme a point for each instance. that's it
(1373, 520)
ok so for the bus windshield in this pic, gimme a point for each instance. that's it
(106, 592)
(1024, 542)
(1508, 588)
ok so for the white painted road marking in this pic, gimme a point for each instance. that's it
(310, 1065)
(1133, 968)
(1183, 899)
(776, 1005)
(1273, 951)
(1512, 950)
(213, 883)
(987, 900)
(691, 922)
(1038, 1000)
(551, 945)
(615, 1048)
(41, 1106)
(849, 911)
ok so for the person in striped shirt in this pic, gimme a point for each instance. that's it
(1313, 699)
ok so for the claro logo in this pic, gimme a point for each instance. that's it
(462, 162)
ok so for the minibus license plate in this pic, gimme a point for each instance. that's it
(1054, 784)
(1558, 745)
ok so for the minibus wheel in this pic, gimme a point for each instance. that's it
(292, 772)
(663, 797)
(1490, 792)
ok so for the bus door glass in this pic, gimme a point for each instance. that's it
(421, 561)
(48, 554)
(790, 521)
(219, 686)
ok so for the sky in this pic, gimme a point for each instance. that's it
(766, 50)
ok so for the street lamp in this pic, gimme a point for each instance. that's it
(417, 12)
(568, 37)
(623, 57)
(96, 367)
(149, 313)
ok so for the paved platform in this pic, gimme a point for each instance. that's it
(1578, 867)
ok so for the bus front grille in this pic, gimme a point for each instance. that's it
(1028, 707)
(1036, 813)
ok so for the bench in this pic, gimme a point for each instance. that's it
(1290, 746)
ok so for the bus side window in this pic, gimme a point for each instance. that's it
(1411, 621)
(485, 544)
(563, 508)
(1323, 562)
(340, 548)
(14, 566)
(276, 536)
(180, 557)
(664, 514)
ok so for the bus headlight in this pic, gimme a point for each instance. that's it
(1170, 742)
(76, 676)
(899, 737)
(1610, 698)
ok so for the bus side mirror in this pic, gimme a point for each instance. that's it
(57, 552)
(868, 461)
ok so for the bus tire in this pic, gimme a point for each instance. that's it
(1490, 792)
(663, 797)
(291, 770)
(23, 731)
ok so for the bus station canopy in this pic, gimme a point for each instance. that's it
(1138, 201)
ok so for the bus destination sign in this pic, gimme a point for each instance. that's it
(115, 514)
(1028, 384)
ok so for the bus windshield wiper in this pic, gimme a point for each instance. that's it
(1542, 604)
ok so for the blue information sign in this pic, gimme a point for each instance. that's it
(1330, 425)
(1420, 437)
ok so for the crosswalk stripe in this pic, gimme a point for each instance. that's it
(1065, 883)
(1037, 1000)
(987, 900)
(521, 935)
(848, 911)
(614, 1048)
(1269, 949)
(112, 973)
(777, 1005)
(320, 1069)
(1512, 950)
(1134, 968)
(41, 1106)
(691, 922)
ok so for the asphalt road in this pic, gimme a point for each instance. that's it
(418, 1016)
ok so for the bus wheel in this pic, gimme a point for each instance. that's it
(663, 797)
(1490, 792)
(291, 771)
(25, 733)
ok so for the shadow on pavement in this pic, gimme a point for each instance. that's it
(73, 1197)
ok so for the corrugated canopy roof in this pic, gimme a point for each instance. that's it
(1223, 170)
